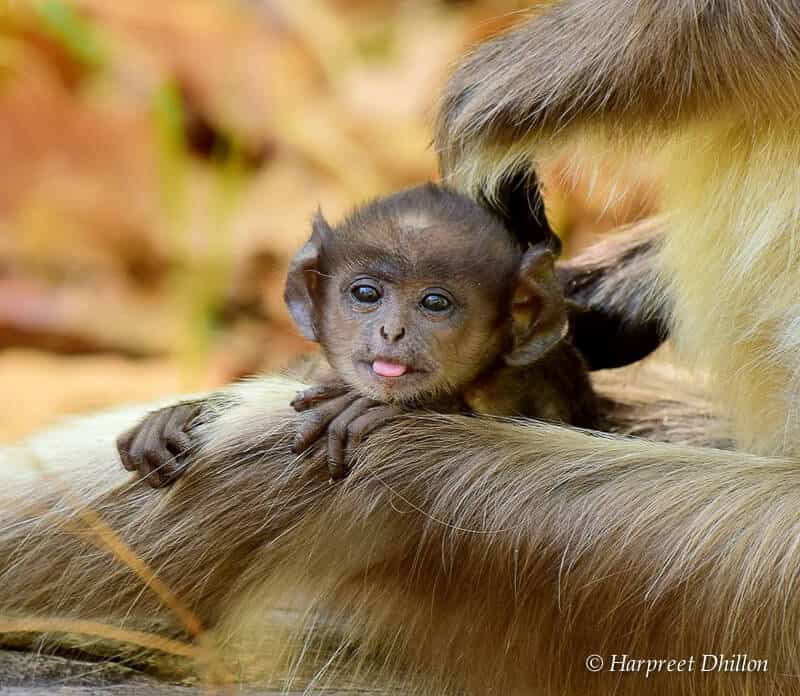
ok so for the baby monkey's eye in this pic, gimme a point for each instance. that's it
(435, 302)
(368, 294)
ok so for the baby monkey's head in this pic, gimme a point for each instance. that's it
(416, 294)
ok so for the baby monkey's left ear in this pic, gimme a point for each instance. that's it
(538, 309)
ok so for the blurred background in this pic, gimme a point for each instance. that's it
(161, 161)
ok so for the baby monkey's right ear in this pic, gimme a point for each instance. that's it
(302, 280)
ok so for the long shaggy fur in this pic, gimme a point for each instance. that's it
(605, 545)
(627, 65)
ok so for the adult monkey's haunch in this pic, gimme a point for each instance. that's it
(495, 558)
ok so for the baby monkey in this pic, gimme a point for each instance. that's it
(421, 300)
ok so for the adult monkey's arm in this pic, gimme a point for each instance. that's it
(624, 67)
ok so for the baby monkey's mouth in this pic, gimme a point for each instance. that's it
(393, 379)
(387, 369)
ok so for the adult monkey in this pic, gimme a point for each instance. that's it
(714, 87)
(537, 546)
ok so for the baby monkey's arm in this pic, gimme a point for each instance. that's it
(156, 447)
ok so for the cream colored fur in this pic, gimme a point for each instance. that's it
(732, 260)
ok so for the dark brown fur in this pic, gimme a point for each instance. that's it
(613, 287)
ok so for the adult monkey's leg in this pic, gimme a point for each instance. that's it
(466, 554)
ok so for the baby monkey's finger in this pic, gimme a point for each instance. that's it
(338, 433)
(153, 456)
(315, 422)
(361, 427)
(135, 445)
(175, 428)
(124, 443)
(174, 442)
(308, 398)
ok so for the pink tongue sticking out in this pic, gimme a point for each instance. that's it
(387, 369)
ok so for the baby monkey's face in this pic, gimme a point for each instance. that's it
(411, 339)
(413, 296)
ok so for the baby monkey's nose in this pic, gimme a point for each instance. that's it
(392, 334)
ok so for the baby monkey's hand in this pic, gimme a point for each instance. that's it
(155, 447)
(346, 416)
(308, 398)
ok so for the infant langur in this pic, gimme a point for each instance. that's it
(422, 300)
